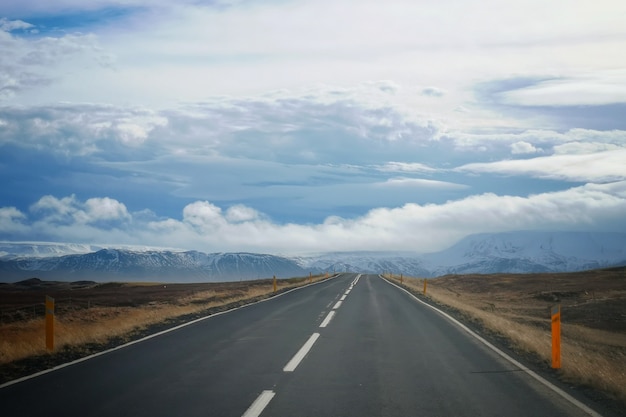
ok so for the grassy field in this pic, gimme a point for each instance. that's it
(517, 307)
(89, 316)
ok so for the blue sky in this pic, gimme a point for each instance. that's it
(310, 126)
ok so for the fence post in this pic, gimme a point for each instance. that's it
(49, 323)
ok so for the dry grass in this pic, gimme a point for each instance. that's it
(510, 307)
(98, 324)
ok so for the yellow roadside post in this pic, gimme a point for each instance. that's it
(274, 283)
(401, 278)
(425, 285)
(49, 323)
(556, 336)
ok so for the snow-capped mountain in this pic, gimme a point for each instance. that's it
(515, 252)
(366, 262)
(150, 265)
(524, 252)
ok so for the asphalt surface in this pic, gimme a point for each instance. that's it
(349, 346)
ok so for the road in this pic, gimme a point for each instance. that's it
(349, 346)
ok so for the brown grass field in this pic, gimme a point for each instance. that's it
(517, 308)
(90, 316)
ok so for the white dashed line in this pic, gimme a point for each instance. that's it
(343, 297)
(259, 404)
(327, 319)
(295, 361)
(355, 281)
(337, 305)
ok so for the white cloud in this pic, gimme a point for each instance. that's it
(302, 104)
(420, 183)
(240, 213)
(7, 25)
(596, 167)
(71, 211)
(11, 220)
(599, 88)
(415, 167)
(77, 129)
(583, 148)
(523, 148)
(430, 227)
(540, 140)
(97, 209)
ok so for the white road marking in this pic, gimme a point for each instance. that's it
(529, 372)
(295, 361)
(348, 292)
(343, 297)
(327, 319)
(337, 305)
(259, 404)
(355, 280)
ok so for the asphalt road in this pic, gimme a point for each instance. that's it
(350, 346)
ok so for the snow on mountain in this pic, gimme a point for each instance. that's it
(366, 262)
(12, 250)
(523, 252)
(515, 252)
(121, 264)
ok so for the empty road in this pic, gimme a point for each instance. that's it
(349, 346)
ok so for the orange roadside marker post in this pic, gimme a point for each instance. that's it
(425, 285)
(274, 283)
(49, 323)
(556, 336)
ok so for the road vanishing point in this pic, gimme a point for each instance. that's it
(353, 345)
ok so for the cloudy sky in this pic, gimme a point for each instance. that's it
(290, 126)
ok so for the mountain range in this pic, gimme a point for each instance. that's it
(512, 252)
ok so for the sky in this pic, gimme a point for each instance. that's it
(295, 127)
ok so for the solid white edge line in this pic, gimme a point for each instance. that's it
(259, 404)
(180, 326)
(297, 358)
(328, 318)
(529, 372)
(337, 305)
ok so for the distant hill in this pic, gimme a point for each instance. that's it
(515, 252)
(127, 265)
